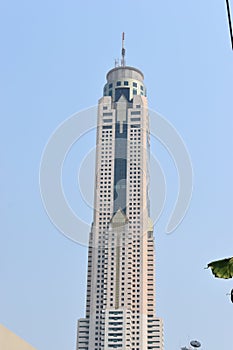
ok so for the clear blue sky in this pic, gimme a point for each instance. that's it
(54, 58)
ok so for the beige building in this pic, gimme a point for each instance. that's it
(120, 303)
(10, 341)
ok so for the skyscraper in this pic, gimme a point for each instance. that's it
(120, 301)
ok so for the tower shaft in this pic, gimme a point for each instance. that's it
(120, 307)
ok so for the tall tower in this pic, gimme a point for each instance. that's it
(120, 303)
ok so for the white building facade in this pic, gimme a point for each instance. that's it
(120, 303)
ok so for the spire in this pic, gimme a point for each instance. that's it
(123, 51)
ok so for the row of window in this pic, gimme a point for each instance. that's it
(125, 83)
(106, 107)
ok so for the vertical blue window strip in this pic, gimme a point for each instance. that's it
(120, 168)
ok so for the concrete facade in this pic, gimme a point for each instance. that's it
(120, 303)
(10, 341)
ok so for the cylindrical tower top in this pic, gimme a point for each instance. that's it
(124, 80)
(124, 72)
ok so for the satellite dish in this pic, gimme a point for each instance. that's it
(195, 343)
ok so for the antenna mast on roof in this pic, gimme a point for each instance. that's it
(123, 50)
(116, 62)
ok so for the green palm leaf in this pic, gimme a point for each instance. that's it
(222, 268)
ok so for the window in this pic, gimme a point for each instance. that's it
(110, 85)
(135, 84)
(126, 83)
(134, 92)
(118, 83)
